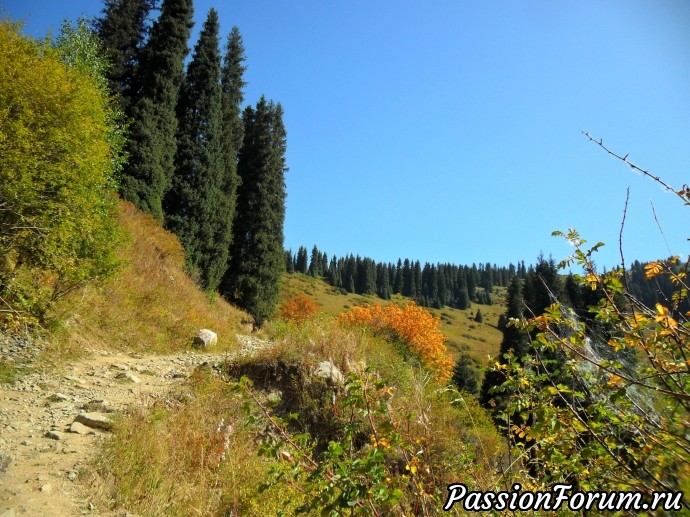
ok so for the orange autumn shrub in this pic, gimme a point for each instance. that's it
(414, 325)
(298, 309)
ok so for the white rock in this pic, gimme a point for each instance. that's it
(47, 488)
(327, 370)
(205, 338)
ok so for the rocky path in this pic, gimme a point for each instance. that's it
(43, 451)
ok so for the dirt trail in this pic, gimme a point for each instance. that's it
(40, 459)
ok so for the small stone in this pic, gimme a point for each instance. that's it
(78, 428)
(47, 488)
(128, 376)
(9, 512)
(119, 366)
(95, 420)
(58, 397)
(274, 397)
(71, 475)
(54, 435)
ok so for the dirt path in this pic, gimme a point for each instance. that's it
(41, 459)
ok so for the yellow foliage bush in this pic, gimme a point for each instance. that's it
(57, 231)
(414, 325)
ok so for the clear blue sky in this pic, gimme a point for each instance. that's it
(451, 130)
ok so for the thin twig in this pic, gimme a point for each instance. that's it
(620, 236)
(661, 231)
(683, 193)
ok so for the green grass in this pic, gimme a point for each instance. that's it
(8, 373)
(463, 333)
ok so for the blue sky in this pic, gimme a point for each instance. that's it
(450, 131)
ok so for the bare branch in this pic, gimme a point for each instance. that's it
(683, 193)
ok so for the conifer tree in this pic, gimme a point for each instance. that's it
(153, 144)
(302, 261)
(232, 95)
(257, 261)
(122, 31)
(398, 281)
(315, 262)
(196, 206)
(514, 340)
(417, 284)
(289, 262)
(465, 376)
(407, 274)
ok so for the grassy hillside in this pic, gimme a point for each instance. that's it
(463, 333)
(150, 306)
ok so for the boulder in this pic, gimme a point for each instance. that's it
(95, 420)
(327, 370)
(205, 338)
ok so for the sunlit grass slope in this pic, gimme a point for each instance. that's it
(151, 305)
(479, 339)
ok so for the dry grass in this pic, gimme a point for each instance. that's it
(150, 306)
(189, 454)
(193, 454)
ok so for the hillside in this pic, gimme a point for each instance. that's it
(463, 333)
(149, 306)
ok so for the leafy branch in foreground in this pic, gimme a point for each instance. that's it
(378, 467)
(621, 423)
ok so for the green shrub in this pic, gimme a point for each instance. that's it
(58, 153)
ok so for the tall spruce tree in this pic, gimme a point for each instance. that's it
(302, 260)
(257, 260)
(315, 262)
(197, 208)
(232, 86)
(122, 30)
(153, 144)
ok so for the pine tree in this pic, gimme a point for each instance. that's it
(153, 144)
(289, 262)
(232, 96)
(122, 31)
(302, 261)
(196, 206)
(465, 376)
(462, 300)
(398, 281)
(383, 288)
(417, 285)
(479, 318)
(514, 340)
(408, 280)
(257, 262)
(315, 262)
